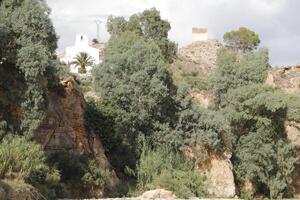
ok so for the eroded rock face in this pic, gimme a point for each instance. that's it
(217, 168)
(64, 129)
(287, 78)
(201, 53)
(293, 134)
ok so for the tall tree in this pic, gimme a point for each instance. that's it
(242, 39)
(148, 24)
(235, 71)
(27, 60)
(262, 153)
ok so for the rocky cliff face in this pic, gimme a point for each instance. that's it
(217, 167)
(64, 129)
(286, 78)
(201, 57)
(201, 54)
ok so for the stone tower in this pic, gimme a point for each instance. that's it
(199, 34)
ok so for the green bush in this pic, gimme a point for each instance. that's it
(21, 159)
(26, 162)
(162, 168)
(95, 176)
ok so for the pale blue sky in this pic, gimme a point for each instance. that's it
(276, 21)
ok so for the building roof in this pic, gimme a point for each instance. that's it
(199, 30)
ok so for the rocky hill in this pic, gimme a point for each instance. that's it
(201, 54)
(195, 62)
(287, 78)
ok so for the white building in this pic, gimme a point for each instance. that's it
(81, 45)
(200, 34)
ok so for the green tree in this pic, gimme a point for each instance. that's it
(28, 66)
(242, 39)
(82, 60)
(116, 25)
(236, 71)
(135, 79)
(148, 24)
(262, 154)
(95, 41)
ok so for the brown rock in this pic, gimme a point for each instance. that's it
(202, 53)
(286, 78)
(217, 168)
(158, 193)
(64, 129)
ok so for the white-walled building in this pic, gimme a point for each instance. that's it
(81, 45)
(200, 34)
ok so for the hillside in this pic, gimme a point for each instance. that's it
(195, 62)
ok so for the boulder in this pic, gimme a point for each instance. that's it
(64, 130)
(217, 168)
(158, 194)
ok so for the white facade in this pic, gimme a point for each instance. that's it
(81, 45)
(199, 34)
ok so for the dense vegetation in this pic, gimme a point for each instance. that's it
(27, 63)
(256, 114)
(144, 120)
(149, 25)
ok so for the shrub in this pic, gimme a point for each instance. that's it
(95, 176)
(21, 159)
(162, 168)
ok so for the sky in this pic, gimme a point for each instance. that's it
(276, 21)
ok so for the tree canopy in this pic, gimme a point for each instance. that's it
(242, 39)
(27, 62)
(148, 24)
(235, 71)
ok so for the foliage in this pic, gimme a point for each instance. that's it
(27, 62)
(116, 25)
(139, 102)
(82, 60)
(95, 176)
(236, 71)
(26, 161)
(81, 175)
(194, 126)
(242, 39)
(165, 169)
(95, 41)
(188, 74)
(135, 80)
(149, 25)
(257, 114)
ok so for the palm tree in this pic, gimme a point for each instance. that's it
(82, 59)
